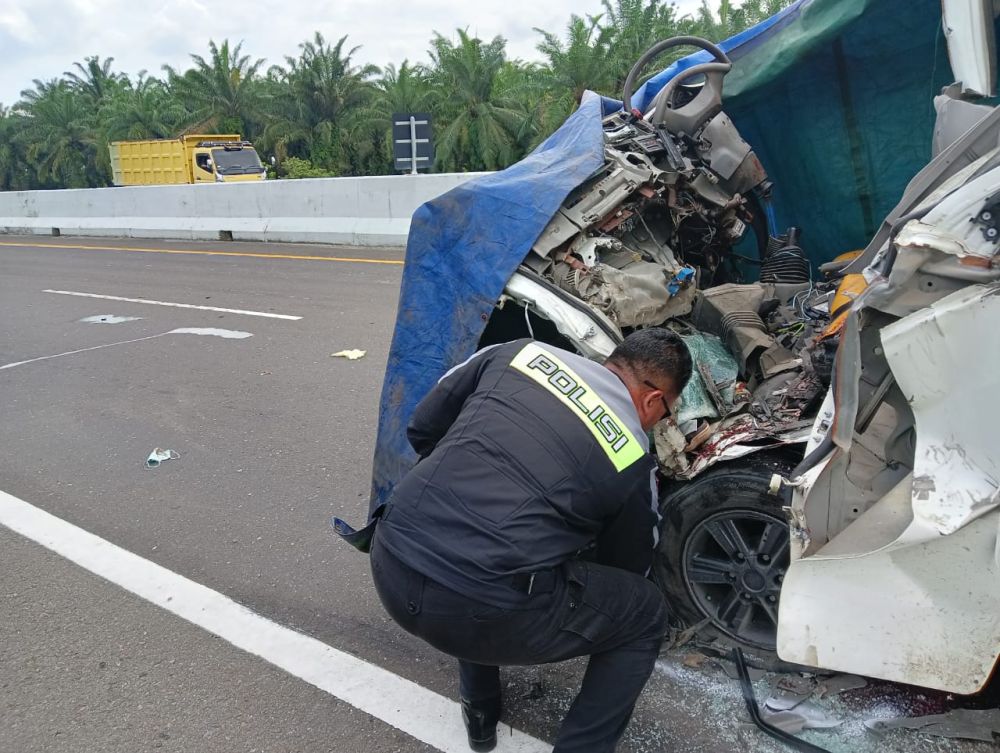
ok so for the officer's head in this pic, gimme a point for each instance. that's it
(655, 365)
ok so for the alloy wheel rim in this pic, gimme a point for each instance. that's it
(734, 564)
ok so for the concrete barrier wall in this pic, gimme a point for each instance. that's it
(373, 211)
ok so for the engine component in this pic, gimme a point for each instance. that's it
(638, 294)
(785, 260)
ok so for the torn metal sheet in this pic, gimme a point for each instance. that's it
(964, 724)
(898, 613)
(738, 437)
(968, 28)
(784, 699)
(589, 332)
(805, 715)
(946, 360)
(833, 686)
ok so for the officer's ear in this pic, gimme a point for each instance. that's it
(649, 406)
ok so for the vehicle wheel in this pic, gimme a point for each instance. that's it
(723, 551)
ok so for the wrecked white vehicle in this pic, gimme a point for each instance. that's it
(894, 509)
(830, 488)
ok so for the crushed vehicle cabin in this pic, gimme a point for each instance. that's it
(649, 241)
(829, 490)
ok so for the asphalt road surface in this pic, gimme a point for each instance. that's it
(273, 436)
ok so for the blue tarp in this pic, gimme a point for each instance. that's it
(834, 96)
(462, 249)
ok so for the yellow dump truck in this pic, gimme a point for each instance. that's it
(202, 158)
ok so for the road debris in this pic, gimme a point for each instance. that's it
(109, 319)
(786, 699)
(837, 684)
(967, 724)
(807, 715)
(229, 334)
(760, 719)
(158, 456)
(535, 692)
(695, 660)
(730, 670)
(351, 355)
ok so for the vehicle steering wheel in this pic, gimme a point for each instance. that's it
(687, 118)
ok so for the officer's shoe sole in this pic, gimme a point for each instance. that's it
(483, 746)
(481, 726)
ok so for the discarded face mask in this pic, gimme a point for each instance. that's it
(157, 456)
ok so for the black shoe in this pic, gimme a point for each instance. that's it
(481, 719)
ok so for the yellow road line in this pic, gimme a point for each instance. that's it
(203, 253)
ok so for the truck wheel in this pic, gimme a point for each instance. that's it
(723, 551)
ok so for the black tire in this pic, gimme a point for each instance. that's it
(723, 551)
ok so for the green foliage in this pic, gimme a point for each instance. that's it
(478, 120)
(293, 167)
(143, 110)
(406, 89)
(323, 113)
(316, 105)
(220, 93)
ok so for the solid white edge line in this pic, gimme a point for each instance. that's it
(415, 710)
(175, 305)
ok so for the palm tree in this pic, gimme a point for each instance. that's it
(398, 90)
(15, 170)
(540, 108)
(632, 27)
(406, 89)
(144, 110)
(755, 11)
(478, 125)
(572, 67)
(62, 141)
(581, 62)
(322, 94)
(95, 79)
(220, 92)
(41, 90)
(729, 19)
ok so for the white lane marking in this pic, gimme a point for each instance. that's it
(175, 305)
(81, 350)
(229, 334)
(109, 319)
(417, 711)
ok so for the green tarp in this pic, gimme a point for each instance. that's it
(836, 97)
(838, 106)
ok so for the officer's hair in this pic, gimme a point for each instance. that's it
(655, 353)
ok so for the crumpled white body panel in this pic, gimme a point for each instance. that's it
(910, 591)
(926, 614)
(946, 360)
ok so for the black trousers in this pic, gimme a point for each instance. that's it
(615, 617)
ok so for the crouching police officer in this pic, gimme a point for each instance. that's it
(524, 534)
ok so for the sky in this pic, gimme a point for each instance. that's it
(43, 38)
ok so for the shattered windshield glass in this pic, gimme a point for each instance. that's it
(237, 161)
